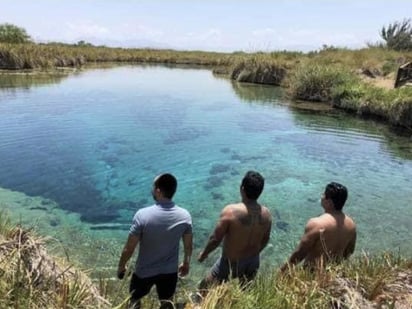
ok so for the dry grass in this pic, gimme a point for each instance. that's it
(30, 278)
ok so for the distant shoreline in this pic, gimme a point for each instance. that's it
(357, 81)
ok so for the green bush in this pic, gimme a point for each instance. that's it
(314, 82)
(394, 105)
(12, 34)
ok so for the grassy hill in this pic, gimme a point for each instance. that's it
(31, 278)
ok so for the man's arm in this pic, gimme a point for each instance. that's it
(127, 253)
(188, 247)
(306, 244)
(218, 234)
(350, 247)
(266, 236)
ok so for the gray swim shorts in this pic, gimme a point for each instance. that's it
(244, 268)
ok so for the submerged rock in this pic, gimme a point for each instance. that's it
(282, 225)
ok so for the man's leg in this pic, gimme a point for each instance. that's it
(166, 288)
(139, 287)
(246, 270)
(218, 273)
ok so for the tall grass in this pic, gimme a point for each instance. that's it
(393, 105)
(34, 56)
(315, 82)
(364, 282)
(30, 278)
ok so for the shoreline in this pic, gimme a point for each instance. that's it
(355, 81)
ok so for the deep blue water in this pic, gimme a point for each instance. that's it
(92, 142)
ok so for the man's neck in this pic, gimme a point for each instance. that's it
(333, 212)
(164, 200)
(250, 203)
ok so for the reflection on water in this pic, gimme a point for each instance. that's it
(252, 93)
(89, 147)
(28, 80)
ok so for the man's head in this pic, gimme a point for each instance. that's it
(252, 185)
(166, 185)
(337, 193)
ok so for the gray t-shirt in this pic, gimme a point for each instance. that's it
(160, 228)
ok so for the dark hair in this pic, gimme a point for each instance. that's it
(253, 184)
(167, 184)
(337, 193)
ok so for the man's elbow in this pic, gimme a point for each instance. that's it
(348, 253)
(127, 251)
(297, 256)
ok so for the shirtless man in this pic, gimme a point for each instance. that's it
(329, 237)
(245, 231)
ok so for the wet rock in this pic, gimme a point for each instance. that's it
(282, 225)
(38, 208)
(54, 222)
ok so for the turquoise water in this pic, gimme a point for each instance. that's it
(85, 147)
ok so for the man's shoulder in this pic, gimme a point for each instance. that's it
(350, 222)
(317, 221)
(145, 210)
(234, 206)
(230, 209)
(265, 210)
(182, 211)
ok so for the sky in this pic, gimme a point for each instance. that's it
(210, 25)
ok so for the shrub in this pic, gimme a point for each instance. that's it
(398, 36)
(12, 34)
(315, 82)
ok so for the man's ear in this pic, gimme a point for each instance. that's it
(157, 191)
(330, 203)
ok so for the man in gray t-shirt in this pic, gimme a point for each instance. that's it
(158, 229)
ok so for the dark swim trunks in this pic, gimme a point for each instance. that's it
(243, 269)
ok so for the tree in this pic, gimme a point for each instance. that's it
(84, 44)
(12, 34)
(398, 36)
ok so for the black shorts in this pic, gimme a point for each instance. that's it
(165, 286)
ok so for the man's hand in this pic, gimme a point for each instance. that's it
(121, 273)
(184, 269)
(201, 257)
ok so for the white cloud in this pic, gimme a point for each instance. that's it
(309, 39)
(76, 30)
(263, 33)
(139, 31)
(209, 39)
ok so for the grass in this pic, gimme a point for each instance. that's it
(392, 105)
(46, 56)
(363, 282)
(30, 278)
(315, 82)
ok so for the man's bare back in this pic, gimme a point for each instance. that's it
(329, 237)
(248, 230)
(334, 237)
(244, 229)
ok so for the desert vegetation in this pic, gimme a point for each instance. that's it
(32, 278)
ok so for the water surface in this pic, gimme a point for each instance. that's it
(83, 149)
